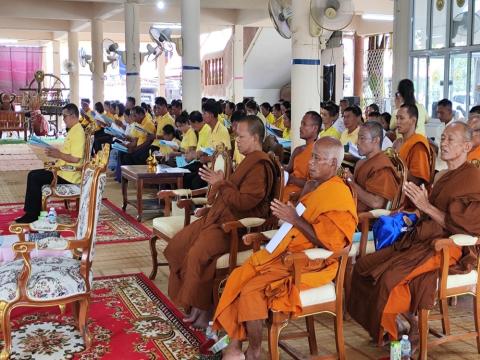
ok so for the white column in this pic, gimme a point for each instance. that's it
(132, 48)
(57, 66)
(401, 40)
(161, 75)
(97, 57)
(238, 62)
(73, 75)
(305, 68)
(191, 81)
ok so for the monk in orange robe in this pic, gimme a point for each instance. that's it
(375, 180)
(193, 252)
(264, 282)
(474, 123)
(402, 278)
(298, 164)
(413, 148)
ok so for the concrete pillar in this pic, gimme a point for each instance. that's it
(132, 48)
(97, 58)
(57, 65)
(305, 68)
(401, 41)
(191, 75)
(238, 62)
(161, 75)
(73, 75)
(358, 66)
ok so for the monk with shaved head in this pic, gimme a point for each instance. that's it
(402, 278)
(263, 282)
(474, 123)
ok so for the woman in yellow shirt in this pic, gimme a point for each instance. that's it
(329, 115)
(266, 110)
(288, 124)
(277, 113)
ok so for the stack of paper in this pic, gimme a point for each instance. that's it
(182, 162)
(36, 141)
(172, 144)
(114, 132)
(282, 232)
(172, 170)
(119, 147)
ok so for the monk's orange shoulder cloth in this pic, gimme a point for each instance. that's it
(474, 154)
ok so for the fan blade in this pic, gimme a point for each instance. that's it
(280, 14)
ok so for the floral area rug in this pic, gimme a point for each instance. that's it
(114, 226)
(129, 318)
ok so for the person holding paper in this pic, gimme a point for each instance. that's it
(162, 118)
(298, 165)
(374, 180)
(263, 282)
(72, 153)
(193, 252)
(86, 117)
(219, 134)
(352, 117)
(169, 144)
(329, 113)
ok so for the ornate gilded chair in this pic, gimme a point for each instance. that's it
(56, 281)
(67, 192)
(181, 202)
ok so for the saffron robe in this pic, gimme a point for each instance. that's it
(263, 282)
(193, 252)
(376, 175)
(300, 169)
(411, 262)
(474, 154)
(415, 152)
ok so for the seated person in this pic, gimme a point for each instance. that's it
(474, 123)
(352, 117)
(413, 148)
(263, 282)
(192, 253)
(162, 118)
(376, 117)
(266, 110)
(298, 164)
(287, 122)
(277, 113)
(251, 108)
(168, 134)
(374, 181)
(329, 113)
(72, 153)
(189, 138)
(402, 278)
(86, 116)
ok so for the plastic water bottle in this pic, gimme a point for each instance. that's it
(52, 216)
(405, 347)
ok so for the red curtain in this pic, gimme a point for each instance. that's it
(17, 66)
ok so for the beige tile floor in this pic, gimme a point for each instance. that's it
(135, 257)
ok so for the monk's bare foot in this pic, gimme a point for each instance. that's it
(194, 314)
(201, 322)
(253, 354)
(233, 352)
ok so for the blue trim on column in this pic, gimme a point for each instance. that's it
(132, 73)
(305, 62)
(189, 67)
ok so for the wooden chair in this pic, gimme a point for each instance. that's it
(432, 158)
(450, 286)
(67, 192)
(168, 226)
(56, 280)
(11, 120)
(229, 261)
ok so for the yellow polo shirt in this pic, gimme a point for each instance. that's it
(85, 121)
(166, 119)
(270, 119)
(332, 132)
(148, 116)
(352, 137)
(189, 140)
(279, 123)
(219, 136)
(73, 145)
(286, 134)
(148, 125)
(204, 137)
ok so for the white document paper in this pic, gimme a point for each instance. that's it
(172, 170)
(286, 175)
(282, 232)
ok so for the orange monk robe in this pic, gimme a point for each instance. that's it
(415, 153)
(300, 169)
(474, 154)
(263, 282)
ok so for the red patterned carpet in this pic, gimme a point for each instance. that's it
(115, 226)
(129, 319)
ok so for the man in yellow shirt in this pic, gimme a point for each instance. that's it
(162, 117)
(277, 113)
(86, 113)
(71, 154)
(219, 134)
(176, 108)
(352, 116)
(266, 110)
(329, 113)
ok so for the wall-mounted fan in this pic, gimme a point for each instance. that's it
(281, 14)
(86, 59)
(162, 40)
(110, 49)
(69, 66)
(459, 25)
(332, 15)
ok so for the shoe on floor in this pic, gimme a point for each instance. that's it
(26, 219)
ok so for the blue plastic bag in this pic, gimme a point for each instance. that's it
(388, 229)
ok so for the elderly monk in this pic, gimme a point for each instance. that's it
(193, 252)
(474, 123)
(375, 180)
(264, 282)
(413, 148)
(402, 278)
(298, 164)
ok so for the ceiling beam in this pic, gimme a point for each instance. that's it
(34, 24)
(48, 9)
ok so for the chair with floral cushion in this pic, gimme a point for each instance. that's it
(67, 192)
(56, 281)
(180, 203)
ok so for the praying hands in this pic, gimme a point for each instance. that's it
(210, 176)
(418, 195)
(285, 212)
